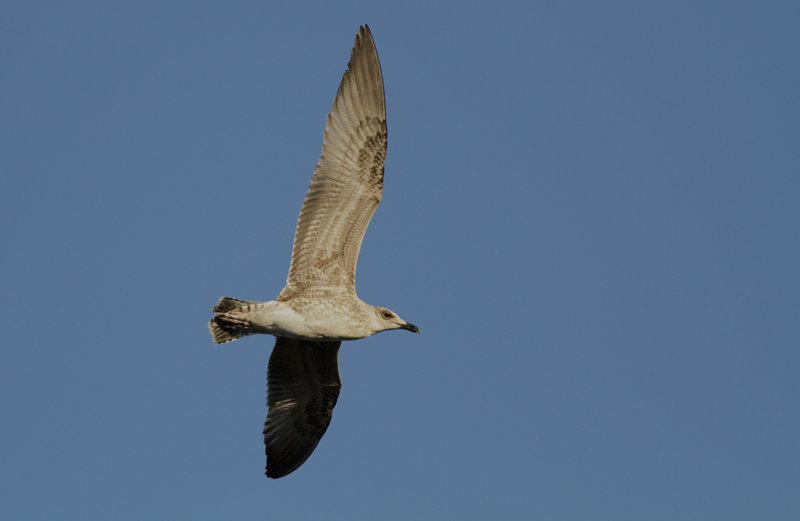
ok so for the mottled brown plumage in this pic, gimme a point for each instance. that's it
(347, 184)
(319, 307)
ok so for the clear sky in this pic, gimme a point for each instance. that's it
(591, 209)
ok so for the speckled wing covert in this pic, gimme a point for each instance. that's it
(347, 183)
(303, 386)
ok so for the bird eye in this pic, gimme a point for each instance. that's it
(387, 314)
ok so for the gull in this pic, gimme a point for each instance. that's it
(318, 307)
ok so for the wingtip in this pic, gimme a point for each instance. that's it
(274, 475)
(364, 35)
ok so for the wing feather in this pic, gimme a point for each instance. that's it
(303, 386)
(347, 183)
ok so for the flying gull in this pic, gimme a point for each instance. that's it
(319, 307)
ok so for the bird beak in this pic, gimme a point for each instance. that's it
(410, 327)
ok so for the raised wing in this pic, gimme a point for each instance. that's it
(347, 183)
(303, 386)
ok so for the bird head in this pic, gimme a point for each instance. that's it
(386, 319)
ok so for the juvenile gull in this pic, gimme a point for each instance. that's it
(319, 307)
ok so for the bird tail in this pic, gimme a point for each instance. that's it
(226, 328)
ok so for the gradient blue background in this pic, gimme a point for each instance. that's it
(591, 210)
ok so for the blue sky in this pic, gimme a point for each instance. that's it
(591, 210)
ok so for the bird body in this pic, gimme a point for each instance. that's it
(335, 318)
(319, 307)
